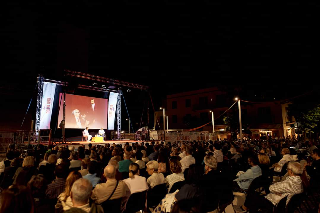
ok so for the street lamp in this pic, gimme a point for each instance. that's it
(212, 121)
(164, 122)
(129, 124)
(240, 122)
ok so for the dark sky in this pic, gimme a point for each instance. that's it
(264, 47)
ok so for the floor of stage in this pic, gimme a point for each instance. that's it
(86, 143)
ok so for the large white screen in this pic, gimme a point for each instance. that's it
(83, 111)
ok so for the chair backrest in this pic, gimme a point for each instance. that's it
(294, 203)
(176, 185)
(112, 206)
(156, 194)
(255, 184)
(280, 208)
(136, 202)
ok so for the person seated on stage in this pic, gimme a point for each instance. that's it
(101, 132)
(86, 134)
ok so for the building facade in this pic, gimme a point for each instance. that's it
(191, 110)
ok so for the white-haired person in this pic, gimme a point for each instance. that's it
(286, 157)
(80, 193)
(23, 174)
(135, 182)
(155, 177)
(287, 188)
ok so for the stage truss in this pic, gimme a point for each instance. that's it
(113, 86)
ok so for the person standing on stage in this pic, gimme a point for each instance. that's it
(86, 134)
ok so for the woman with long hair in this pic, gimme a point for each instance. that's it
(64, 199)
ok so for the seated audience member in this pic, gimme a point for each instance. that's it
(313, 170)
(135, 182)
(57, 186)
(216, 185)
(84, 166)
(124, 164)
(74, 160)
(177, 175)
(154, 154)
(187, 160)
(23, 174)
(102, 191)
(290, 186)
(217, 153)
(286, 157)
(48, 169)
(139, 160)
(16, 199)
(92, 173)
(80, 194)
(9, 173)
(45, 159)
(244, 180)
(155, 177)
(115, 163)
(163, 162)
(64, 199)
(144, 156)
(189, 191)
(116, 154)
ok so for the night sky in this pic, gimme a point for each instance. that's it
(267, 48)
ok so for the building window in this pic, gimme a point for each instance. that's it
(203, 101)
(188, 102)
(174, 119)
(174, 105)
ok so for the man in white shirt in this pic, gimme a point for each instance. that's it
(217, 153)
(155, 177)
(86, 134)
(290, 186)
(188, 159)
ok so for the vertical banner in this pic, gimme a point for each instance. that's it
(113, 97)
(47, 104)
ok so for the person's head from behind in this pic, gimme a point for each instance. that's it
(188, 150)
(187, 206)
(72, 177)
(194, 174)
(81, 192)
(152, 167)
(175, 165)
(139, 155)
(28, 161)
(84, 163)
(294, 168)
(133, 170)
(263, 159)
(116, 152)
(93, 167)
(210, 163)
(61, 170)
(285, 151)
(315, 154)
(16, 199)
(253, 160)
(110, 172)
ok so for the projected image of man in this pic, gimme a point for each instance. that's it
(76, 114)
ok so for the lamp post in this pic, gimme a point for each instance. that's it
(240, 122)
(167, 123)
(129, 124)
(212, 121)
(164, 122)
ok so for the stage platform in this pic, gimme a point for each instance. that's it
(86, 143)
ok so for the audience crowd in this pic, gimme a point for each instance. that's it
(197, 176)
